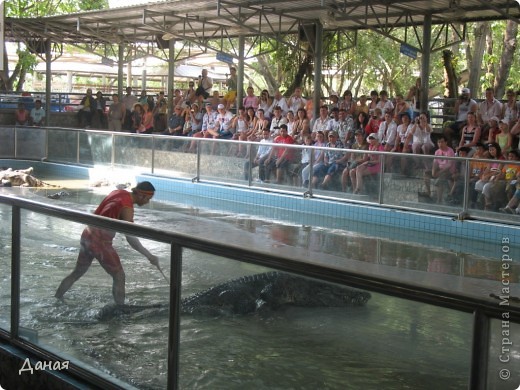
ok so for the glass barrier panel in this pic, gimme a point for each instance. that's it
(7, 144)
(95, 148)
(504, 350)
(63, 145)
(494, 188)
(5, 267)
(218, 162)
(242, 325)
(133, 151)
(172, 157)
(30, 142)
(128, 343)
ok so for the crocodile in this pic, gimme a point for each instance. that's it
(251, 294)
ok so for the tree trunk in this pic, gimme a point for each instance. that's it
(482, 30)
(506, 59)
(305, 68)
(451, 75)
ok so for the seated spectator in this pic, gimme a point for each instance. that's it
(88, 108)
(37, 114)
(101, 105)
(264, 151)
(260, 124)
(264, 102)
(385, 104)
(147, 119)
(222, 128)
(296, 101)
(490, 173)
(387, 132)
(492, 131)
(189, 95)
(330, 162)
(504, 137)
(208, 122)
(290, 120)
(250, 100)
(240, 125)
(349, 104)
(374, 122)
(442, 171)
(403, 142)
(361, 106)
(277, 120)
(354, 159)
(305, 159)
(21, 115)
(301, 126)
(402, 107)
(318, 142)
(360, 121)
(512, 206)
(374, 99)
(160, 113)
(494, 190)
(470, 133)
(476, 168)
(280, 101)
(344, 126)
(215, 100)
(456, 194)
(179, 100)
(511, 108)
(137, 119)
(280, 158)
(420, 135)
(322, 122)
(175, 122)
(192, 120)
(370, 165)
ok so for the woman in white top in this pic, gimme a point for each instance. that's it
(420, 134)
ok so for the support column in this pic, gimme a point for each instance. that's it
(425, 65)
(240, 72)
(120, 74)
(318, 61)
(48, 79)
(171, 72)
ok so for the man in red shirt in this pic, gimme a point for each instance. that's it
(280, 158)
(97, 243)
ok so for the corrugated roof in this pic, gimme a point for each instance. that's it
(201, 20)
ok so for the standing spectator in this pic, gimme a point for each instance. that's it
(279, 101)
(204, 87)
(37, 115)
(21, 115)
(137, 119)
(487, 109)
(463, 105)
(414, 95)
(296, 101)
(87, 110)
(128, 100)
(232, 85)
(116, 114)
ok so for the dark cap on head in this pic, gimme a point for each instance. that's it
(144, 187)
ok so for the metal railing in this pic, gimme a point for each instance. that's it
(483, 309)
(165, 156)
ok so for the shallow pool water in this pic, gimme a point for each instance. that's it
(389, 343)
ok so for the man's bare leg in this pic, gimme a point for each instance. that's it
(118, 287)
(67, 283)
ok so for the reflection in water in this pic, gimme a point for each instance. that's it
(388, 344)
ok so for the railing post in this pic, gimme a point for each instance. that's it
(15, 270)
(308, 193)
(174, 330)
(78, 134)
(465, 199)
(479, 351)
(382, 158)
(113, 154)
(249, 151)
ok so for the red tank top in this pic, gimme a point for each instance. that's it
(111, 207)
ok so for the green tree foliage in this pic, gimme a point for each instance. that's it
(30, 9)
